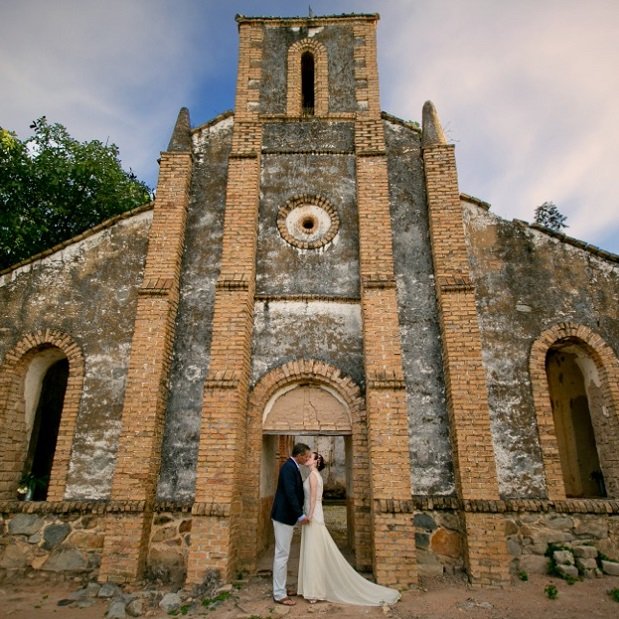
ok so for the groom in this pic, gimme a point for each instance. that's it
(287, 511)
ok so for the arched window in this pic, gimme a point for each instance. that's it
(308, 80)
(50, 385)
(307, 83)
(569, 370)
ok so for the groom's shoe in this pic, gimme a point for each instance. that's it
(285, 601)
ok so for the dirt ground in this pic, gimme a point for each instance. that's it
(435, 599)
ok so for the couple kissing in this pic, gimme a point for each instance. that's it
(324, 573)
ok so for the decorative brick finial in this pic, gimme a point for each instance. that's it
(432, 131)
(181, 136)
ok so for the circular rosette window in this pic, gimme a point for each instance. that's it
(308, 222)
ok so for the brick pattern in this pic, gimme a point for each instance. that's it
(366, 69)
(139, 451)
(297, 372)
(13, 446)
(485, 550)
(467, 393)
(387, 414)
(216, 538)
(606, 425)
(247, 102)
(321, 78)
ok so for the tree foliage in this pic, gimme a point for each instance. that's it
(53, 187)
(549, 216)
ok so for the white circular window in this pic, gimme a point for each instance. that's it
(308, 222)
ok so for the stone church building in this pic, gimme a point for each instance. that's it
(309, 267)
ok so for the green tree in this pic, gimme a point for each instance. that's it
(549, 216)
(53, 187)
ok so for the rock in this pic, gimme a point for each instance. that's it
(66, 560)
(422, 539)
(570, 571)
(170, 602)
(54, 534)
(424, 521)
(135, 608)
(563, 557)
(116, 610)
(86, 540)
(564, 523)
(513, 546)
(533, 564)
(225, 588)
(610, 567)
(447, 543)
(109, 590)
(89, 591)
(15, 557)
(35, 539)
(586, 552)
(25, 524)
(281, 611)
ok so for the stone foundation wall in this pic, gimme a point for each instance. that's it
(68, 542)
(530, 526)
(169, 546)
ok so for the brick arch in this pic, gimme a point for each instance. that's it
(607, 365)
(321, 77)
(13, 443)
(318, 373)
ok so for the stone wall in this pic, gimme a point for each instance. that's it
(191, 354)
(66, 540)
(431, 453)
(527, 281)
(88, 291)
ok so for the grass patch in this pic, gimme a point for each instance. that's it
(614, 594)
(522, 575)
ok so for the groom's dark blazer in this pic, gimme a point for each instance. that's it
(288, 502)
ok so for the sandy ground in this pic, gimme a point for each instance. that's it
(436, 598)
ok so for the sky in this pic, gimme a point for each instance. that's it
(527, 90)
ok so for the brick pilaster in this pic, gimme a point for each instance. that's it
(139, 449)
(387, 415)
(467, 393)
(216, 528)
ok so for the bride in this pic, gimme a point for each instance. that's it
(324, 574)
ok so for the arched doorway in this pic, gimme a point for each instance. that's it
(306, 399)
(570, 370)
(46, 382)
(315, 414)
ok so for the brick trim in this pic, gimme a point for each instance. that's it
(607, 365)
(321, 78)
(314, 200)
(13, 446)
(317, 372)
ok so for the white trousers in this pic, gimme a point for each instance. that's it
(283, 539)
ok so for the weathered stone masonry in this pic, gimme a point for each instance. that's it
(310, 268)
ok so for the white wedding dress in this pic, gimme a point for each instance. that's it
(324, 574)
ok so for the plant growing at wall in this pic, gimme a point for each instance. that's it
(28, 484)
(549, 216)
(52, 187)
(614, 594)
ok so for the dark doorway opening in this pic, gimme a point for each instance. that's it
(42, 446)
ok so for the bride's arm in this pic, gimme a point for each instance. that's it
(313, 488)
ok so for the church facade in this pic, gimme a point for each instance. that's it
(309, 268)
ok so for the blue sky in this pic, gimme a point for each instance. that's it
(526, 89)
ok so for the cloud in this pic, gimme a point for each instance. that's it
(526, 90)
